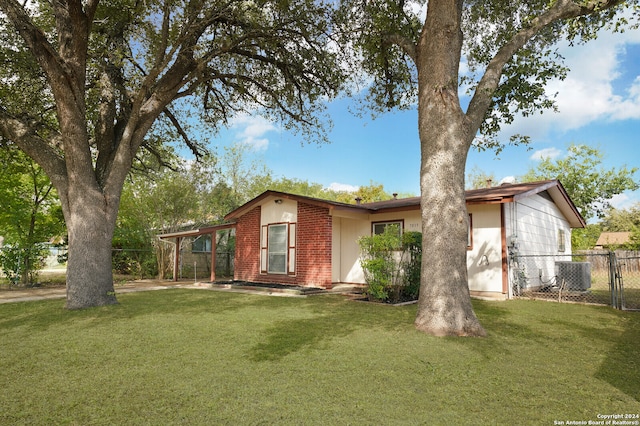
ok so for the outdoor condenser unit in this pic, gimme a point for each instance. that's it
(575, 275)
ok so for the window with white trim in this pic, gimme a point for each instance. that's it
(561, 241)
(277, 249)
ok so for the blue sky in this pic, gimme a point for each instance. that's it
(599, 104)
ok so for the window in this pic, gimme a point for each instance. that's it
(277, 249)
(201, 244)
(378, 228)
(561, 241)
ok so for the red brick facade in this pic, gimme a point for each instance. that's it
(247, 261)
(312, 251)
(313, 263)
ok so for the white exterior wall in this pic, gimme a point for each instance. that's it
(345, 252)
(346, 266)
(535, 221)
(272, 212)
(484, 260)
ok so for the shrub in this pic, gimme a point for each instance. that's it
(412, 242)
(391, 264)
(136, 262)
(23, 264)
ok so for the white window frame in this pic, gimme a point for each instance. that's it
(283, 251)
(562, 241)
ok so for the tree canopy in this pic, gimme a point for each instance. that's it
(87, 87)
(590, 186)
(509, 49)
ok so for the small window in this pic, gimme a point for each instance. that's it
(201, 244)
(378, 228)
(277, 249)
(561, 241)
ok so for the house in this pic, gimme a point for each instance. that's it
(611, 240)
(291, 239)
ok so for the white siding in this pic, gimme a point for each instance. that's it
(536, 224)
(535, 221)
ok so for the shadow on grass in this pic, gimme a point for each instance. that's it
(621, 367)
(587, 330)
(41, 315)
(336, 317)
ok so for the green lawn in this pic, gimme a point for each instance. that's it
(204, 357)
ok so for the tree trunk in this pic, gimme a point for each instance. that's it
(444, 306)
(90, 223)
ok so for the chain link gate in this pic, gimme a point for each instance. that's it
(625, 293)
(594, 278)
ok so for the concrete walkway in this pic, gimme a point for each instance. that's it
(30, 294)
(46, 293)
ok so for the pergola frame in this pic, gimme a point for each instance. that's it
(178, 236)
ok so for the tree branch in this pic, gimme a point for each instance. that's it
(561, 10)
(192, 146)
(405, 44)
(24, 134)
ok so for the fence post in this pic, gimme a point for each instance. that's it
(612, 279)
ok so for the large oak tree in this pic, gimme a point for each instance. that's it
(86, 85)
(509, 48)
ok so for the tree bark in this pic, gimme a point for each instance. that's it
(444, 306)
(90, 222)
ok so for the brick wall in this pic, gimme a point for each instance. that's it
(313, 249)
(247, 262)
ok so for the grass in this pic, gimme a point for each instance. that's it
(203, 357)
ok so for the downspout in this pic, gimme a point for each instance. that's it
(505, 256)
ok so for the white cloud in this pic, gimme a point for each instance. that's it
(546, 154)
(588, 94)
(251, 130)
(343, 187)
(624, 201)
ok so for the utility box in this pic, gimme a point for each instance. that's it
(576, 276)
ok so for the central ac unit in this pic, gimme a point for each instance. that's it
(575, 276)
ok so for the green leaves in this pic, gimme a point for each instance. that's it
(391, 264)
(589, 185)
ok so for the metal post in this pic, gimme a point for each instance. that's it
(612, 279)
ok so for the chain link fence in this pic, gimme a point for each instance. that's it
(597, 277)
(626, 291)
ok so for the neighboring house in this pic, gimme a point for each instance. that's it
(291, 239)
(612, 240)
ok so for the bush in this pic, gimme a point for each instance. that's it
(391, 265)
(21, 265)
(136, 262)
(412, 242)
